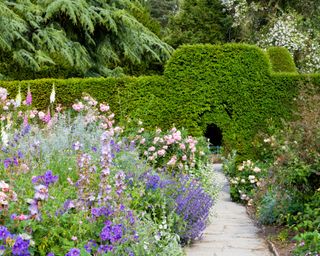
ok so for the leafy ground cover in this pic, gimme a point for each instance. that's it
(73, 182)
(283, 187)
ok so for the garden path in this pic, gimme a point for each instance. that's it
(232, 232)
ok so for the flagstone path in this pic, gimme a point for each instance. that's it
(232, 232)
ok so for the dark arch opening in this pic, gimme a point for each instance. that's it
(214, 134)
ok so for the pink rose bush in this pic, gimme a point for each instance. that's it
(172, 150)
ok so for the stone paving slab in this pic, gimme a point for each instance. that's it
(232, 232)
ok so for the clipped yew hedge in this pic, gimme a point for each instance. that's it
(231, 86)
(281, 60)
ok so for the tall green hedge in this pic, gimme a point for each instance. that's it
(231, 86)
(281, 60)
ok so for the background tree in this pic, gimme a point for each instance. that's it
(49, 38)
(162, 10)
(199, 21)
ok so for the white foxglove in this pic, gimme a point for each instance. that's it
(52, 95)
(4, 137)
(18, 98)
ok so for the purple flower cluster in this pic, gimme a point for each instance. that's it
(10, 161)
(193, 205)
(4, 233)
(41, 192)
(90, 245)
(86, 195)
(13, 161)
(46, 179)
(21, 247)
(102, 211)
(73, 252)
(110, 232)
(153, 181)
(120, 182)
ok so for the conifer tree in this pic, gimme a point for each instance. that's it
(75, 38)
(199, 21)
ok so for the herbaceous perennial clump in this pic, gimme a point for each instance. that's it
(72, 183)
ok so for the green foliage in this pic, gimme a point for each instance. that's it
(161, 10)
(281, 60)
(76, 38)
(308, 244)
(198, 21)
(231, 86)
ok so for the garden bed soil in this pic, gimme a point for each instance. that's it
(280, 245)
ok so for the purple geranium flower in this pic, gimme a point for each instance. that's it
(73, 252)
(20, 247)
(46, 179)
(4, 233)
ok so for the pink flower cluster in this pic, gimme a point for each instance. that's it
(6, 195)
(170, 149)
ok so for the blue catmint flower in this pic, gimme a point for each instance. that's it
(153, 182)
(5, 150)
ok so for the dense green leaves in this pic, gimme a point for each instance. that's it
(64, 38)
(230, 86)
(161, 10)
(281, 60)
(199, 21)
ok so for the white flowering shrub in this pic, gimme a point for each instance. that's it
(311, 58)
(303, 45)
(283, 30)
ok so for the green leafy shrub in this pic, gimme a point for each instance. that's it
(290, 195)
(308, 244)
(281, 60)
